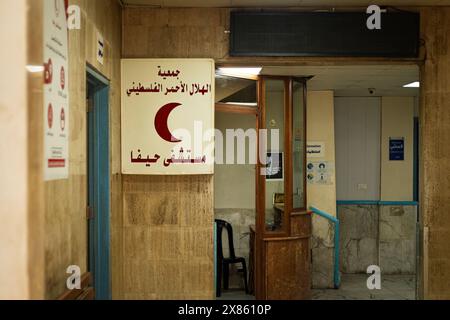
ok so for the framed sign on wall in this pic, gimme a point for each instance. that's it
(167, 116)
(56, 91)
(397, 149)
(274, 167)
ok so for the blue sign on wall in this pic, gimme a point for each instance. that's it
(396, 149)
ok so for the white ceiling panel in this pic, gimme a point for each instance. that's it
(355, 80)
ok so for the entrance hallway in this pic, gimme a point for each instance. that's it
(354, 287)
(150, 214)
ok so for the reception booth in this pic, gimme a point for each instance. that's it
(283, 224)
(278, 222)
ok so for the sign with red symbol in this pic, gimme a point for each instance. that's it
(50, 116)
(62, 119)
(168, 116)
(56, 96)
(48, 72)
(63, 78)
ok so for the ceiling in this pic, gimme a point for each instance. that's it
(344, 80)
(386, 80)
(282, 3)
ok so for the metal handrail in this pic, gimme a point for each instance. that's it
(337, 277)
(335, 221)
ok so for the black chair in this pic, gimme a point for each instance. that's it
(223, 264)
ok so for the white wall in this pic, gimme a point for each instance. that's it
(357, 123)
(14, 276)
(234, 185)
(363, 128)
(320, 127)
(397, 121)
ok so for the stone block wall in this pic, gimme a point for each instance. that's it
(322, 269)
(397, 244)
(358, 237)
(378, 235)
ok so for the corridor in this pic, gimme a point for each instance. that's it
(224, 150)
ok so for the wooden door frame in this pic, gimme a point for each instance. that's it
(259, 112)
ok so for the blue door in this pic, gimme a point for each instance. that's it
(98, 183)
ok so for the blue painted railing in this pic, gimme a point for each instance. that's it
(335, 221)
(377, 203)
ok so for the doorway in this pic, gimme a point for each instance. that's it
(377, 197)
(374, 112)
(234, 180)
(98, 183)
(259, 230)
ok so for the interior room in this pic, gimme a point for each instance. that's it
(353, 113)
(327, 176)
(235, 190)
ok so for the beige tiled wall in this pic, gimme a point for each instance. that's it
(168, 237)
(173, 216)
(66, 200)
(435, 148)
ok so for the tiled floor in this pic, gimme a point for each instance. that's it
(235, 295)
(353, 287)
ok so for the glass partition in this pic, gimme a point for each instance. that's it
(282, 178)
(275, 161)
(298, 146)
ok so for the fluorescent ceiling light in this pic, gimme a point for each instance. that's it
(34, 69)
(415, 84)
(240, 71)
(247, 104)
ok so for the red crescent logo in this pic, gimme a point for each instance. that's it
(161, 125)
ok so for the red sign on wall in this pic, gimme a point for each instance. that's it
(56, 96)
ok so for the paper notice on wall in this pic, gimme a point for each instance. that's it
(56, 92)
(320, 172)
(100, 48)
(315, 149)
(396, 149)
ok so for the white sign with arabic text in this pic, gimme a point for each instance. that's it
(167, 116)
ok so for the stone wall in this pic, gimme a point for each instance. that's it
(358, 238)
(378, 235)
(65, 201)
(181, 238)
(397, 244)
(434, 150)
